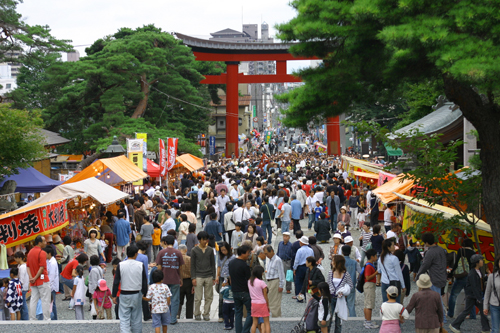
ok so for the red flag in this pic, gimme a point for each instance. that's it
(171, 152)
(163, 158)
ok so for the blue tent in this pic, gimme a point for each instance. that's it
(31, 181)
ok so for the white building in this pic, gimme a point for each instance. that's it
(7, 81)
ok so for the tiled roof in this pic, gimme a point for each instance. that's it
(242, 100)
(53, 138)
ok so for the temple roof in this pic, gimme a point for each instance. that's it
(228, 32)
(442, 120)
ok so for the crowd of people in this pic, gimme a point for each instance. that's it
(164, 256)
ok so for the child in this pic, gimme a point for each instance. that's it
(369, 287)
(260, 301)
(237, 236)
(324, 299)
(317, 211)
(361, 217)
(156, 239)
(474, 295)
(414, 258)
(78, 293)
(191, 238)
(365, 238)
(102, 300)
(25, 282)
(227, 305)
(392, 312)
(406, 273)
(260, 243)
(159, 295)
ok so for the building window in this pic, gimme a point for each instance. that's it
(221, 123)
(8, 86)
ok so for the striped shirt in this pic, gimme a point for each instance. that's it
(366, 239)
(275, 270)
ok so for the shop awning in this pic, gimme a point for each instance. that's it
(90, 187)
(366, 174)
(153, 169)
(448, 212)
(112, 171)
(349, 164)
(386, 192)
(190, 162)
(393, 151)
(31, 181)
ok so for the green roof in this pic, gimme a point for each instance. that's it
(393, 151)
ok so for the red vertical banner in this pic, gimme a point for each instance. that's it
(171, 152)
(163, 158)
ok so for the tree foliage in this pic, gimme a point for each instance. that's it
(373, 46)
(20, 42)
(20, 139)
(142, 73)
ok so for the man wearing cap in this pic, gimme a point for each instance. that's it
(474, 295)
(427, 305)
(285, 253)
(434, 264)
(296, 212)
(354, 254)
(299, 265)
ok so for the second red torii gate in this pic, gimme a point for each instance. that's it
(234, 53)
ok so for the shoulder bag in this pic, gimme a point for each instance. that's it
(273, 221)
(462, 269)
(395, 283)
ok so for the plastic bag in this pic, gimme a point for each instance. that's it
(289, 275)
(72, 303)
(93, 311)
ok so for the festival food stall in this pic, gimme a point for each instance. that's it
(419, 206)
(389, 191)
(184, 163)
(351, 165)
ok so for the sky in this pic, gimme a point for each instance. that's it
(84, 21)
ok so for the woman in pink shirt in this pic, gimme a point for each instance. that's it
(260, 302)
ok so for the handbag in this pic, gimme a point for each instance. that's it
(289, 275)
(395, 283)
(93, 311)
(464, 270)
(138, 237)
(273, 221)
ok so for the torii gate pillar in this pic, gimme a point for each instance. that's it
(333, 135)
(232, 115)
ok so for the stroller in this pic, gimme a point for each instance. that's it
(309, 321)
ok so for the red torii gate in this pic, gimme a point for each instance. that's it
(234, 53)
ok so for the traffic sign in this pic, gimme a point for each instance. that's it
(211, 145)
(255, 119)
(264, 120)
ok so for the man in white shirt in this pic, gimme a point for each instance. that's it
(151, 191)
(389, 217)
(168, 225)
(276, 280)
(148, 204)
(240, 214)
(394, 232)
(53, 273)
(234, 191)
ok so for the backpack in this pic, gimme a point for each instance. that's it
(462, 269)
(360, 285)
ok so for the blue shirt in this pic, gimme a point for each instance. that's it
(390, 270)
(301, 256)
(317, 212)
(285, 251)
(296, 209)
(122, 231)
(214, 228)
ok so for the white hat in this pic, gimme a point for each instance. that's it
(348, 239)
(233, 182)
(304, 240)
(281, 185)
(344, 208)
(286, 233)
(337, 235)
(158, 187)
(207, 183)
(424, 281)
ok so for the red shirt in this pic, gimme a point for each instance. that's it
(369, 270)
(37, 258)
(306, 188)
(66, 273)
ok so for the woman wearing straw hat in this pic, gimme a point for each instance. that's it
(427, 305)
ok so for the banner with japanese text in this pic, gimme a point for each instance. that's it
(171, 152)
(162, 158)
(20, 228)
